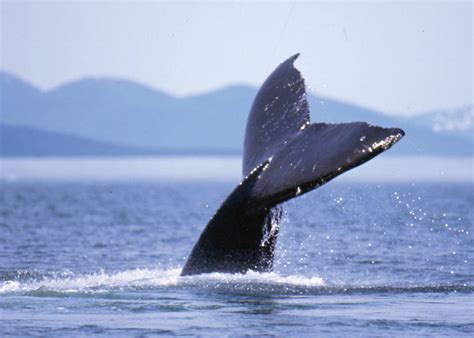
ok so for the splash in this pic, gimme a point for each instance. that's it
(156, 278)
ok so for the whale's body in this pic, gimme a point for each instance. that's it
(284, 156)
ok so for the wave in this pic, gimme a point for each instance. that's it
(142, 279)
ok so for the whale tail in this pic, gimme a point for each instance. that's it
(284, 157)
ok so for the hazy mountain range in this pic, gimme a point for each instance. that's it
(108, 117)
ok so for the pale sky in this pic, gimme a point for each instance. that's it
(401, 57)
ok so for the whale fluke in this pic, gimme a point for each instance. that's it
(284, 156)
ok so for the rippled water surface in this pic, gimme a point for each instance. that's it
(360, 259)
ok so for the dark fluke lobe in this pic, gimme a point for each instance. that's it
(284, 156)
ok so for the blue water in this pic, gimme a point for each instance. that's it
(361, 259)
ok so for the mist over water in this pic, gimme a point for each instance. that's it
(221, 168)
(364, 258)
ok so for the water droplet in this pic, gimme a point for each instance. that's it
(298, 191)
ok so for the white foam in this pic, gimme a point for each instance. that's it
(149, 278)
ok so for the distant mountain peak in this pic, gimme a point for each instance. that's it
(9, 81)
(460, 119)
(109, 84)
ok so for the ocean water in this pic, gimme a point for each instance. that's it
(366, 259)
